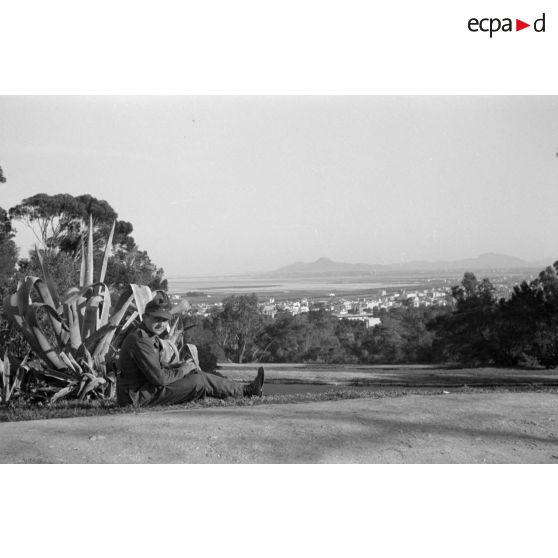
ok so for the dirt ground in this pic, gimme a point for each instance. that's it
(498, 427)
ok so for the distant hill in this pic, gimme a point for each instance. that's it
(327, 266)
(489, 260)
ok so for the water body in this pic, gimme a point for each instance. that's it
(247, 285)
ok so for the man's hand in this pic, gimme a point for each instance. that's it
(176, 364)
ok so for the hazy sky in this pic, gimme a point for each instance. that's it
(217, 185)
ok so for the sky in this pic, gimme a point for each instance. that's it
(238, 184)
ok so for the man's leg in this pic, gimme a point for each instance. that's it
(198, 384)
(221, 387)
(218, 387)
(189, 388)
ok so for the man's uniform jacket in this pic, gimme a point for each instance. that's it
(143, 374)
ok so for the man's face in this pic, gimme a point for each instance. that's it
(154, 324)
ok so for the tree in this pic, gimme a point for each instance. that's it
(58, 222)
(528, 324)
(283, 339)
(8, 259)
(469, 334)
(237, 325)
(64, 270)
(134, 266)
(8, 248)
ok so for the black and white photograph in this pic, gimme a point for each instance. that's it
(323, 279)
(278, 277)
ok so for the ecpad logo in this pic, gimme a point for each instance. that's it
(493, 25)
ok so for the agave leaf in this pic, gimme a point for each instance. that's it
(31, 315)
(194, 352)
(63, 392)
(99, 342)
(24, 290)
(21, 372)
(47, 351)
(68, 293)
(31, 283)
(88, 358)
(48, 279)
(5, 369)
(18, 378)
(11, 308)
(105, 311)
(81, 305)
(100, 366)
(82, 264)
(24, 300)
(75, 363)
(6, 365)
(67, 361)
(85, 379)
(169, 352)
(89, 254)
(129, 321)
(93, 340)
(74, 294)
(91, 385)
(142, 295)
(82, 384)
(108, 251)
(58, 374)
(103, 345)
(72, 321)
(173, 329)
(121, 307)
(91, 316)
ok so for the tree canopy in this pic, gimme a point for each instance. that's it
(236, 326)
(8, 248)
(58, 221)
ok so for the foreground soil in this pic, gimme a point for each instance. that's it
(497, 427)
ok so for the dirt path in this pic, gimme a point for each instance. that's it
(453, 428)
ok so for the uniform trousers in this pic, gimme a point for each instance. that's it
(197, 385)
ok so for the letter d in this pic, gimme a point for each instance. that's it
(537, 21)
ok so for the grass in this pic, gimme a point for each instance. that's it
(21, 411)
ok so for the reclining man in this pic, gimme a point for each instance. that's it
(145, 380)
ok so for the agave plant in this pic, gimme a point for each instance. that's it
(10, 383)
(73, 334)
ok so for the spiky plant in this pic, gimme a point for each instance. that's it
(11, 383)
(72, 334)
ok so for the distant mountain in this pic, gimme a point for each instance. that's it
(327, 266)
(489, 260)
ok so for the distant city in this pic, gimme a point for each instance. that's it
(349, 296)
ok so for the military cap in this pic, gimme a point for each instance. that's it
(158, 309)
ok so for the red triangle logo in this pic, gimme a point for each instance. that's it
(519, 25)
